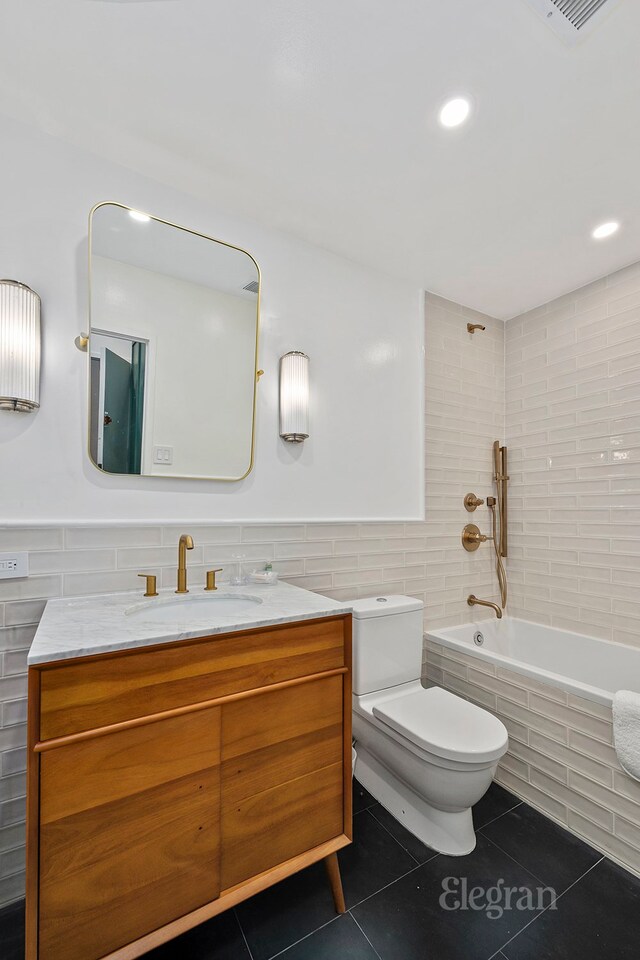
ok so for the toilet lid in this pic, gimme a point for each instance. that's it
(445, 725)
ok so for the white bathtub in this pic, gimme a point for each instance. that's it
(553, 690)
(581, 665)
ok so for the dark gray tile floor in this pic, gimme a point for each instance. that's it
(394, 887)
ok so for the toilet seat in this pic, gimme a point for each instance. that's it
(444, 725)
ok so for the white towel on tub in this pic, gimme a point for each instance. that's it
(626, 730)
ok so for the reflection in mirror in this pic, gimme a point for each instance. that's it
(117, 402)
(173, 344)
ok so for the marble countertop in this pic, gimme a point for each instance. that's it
(80, 627)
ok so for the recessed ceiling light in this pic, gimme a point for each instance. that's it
(605, 230)
(142, 217)
(455, 112)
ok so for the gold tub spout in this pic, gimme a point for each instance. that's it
(184, 543)
(474, 601)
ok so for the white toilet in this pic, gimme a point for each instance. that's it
(426, 755)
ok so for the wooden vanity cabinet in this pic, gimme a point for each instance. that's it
(168, 783)
(129, 833)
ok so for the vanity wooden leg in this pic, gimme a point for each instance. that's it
(333, 872)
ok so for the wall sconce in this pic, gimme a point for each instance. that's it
(294, 396)
(19, 347)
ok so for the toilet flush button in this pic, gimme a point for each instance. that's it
(381, 600)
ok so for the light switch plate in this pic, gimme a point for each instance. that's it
(163, 455)
(14, 565)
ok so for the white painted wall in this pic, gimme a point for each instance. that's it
(362, 330)
(200, 365)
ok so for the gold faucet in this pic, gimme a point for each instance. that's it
(184, 543)
(473, 601)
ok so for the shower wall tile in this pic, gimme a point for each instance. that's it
(573, 430)
(464, 414)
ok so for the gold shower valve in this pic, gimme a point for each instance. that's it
(471, 502)
(472, 538)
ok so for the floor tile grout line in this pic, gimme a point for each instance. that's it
(306, 937)
(364, 935)
(408, 852)
(244, 936)
(518, 862)
(349, 911)
(542, 913)
(390, 884)
(589, 870)
(500, 815)
(540, 879)
(365, 809)
(321, 927)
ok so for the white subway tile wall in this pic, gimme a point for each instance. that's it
(464, 414)
(561, 759)
(573, 429)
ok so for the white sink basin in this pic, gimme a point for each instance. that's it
(188, 609)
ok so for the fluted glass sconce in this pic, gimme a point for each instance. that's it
(19, 347)
(294, 396)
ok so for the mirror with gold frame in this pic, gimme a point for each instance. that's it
(172, 350)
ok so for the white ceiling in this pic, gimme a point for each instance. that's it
(320, 118)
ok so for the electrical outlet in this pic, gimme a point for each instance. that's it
(163, 455)
(14, 565)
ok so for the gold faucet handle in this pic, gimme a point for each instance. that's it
(211, 578)
(472, 538)
(151, 584)
(471, 502)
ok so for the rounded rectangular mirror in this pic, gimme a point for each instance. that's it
(172, 349)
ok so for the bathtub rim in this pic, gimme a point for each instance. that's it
(575, 687)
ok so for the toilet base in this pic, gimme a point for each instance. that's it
(446, 832)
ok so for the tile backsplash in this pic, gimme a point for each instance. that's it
(573, 429)
(464, 414)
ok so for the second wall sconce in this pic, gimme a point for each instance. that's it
(294, 396)
(19, 347)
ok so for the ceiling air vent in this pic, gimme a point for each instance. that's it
(572, 19)
(252, 287)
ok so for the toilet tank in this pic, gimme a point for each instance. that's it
(387, 642)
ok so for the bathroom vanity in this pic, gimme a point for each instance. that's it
(184, 754)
